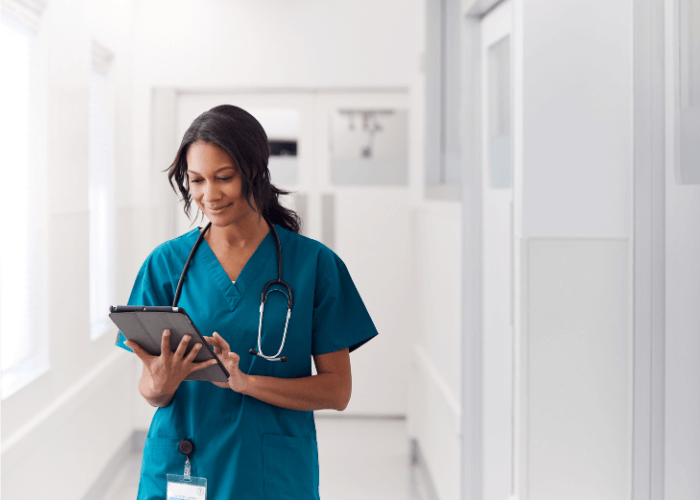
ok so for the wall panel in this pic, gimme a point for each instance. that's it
(578, 379)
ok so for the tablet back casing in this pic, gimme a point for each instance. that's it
(145, 327)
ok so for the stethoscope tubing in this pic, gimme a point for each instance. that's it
(263, 298)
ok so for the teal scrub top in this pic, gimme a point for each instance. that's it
(244, 447)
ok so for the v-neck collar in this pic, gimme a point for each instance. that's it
(234, 292)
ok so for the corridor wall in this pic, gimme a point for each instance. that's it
(267, 46)
(62, 429)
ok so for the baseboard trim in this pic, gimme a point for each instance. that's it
(137, 441)
(422, 472)
(358, 416)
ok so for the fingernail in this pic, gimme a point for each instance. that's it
(186, 337)
(197, 346)
(166, 332)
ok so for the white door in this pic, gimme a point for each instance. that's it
(350, 179)
(497, 175)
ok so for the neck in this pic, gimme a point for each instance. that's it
(250, 230)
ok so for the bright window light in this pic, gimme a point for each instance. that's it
(100, 199)
(18, 256)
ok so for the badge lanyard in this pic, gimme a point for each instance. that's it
(186, 487)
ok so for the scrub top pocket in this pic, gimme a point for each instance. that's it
(160, 457)
(290, 468)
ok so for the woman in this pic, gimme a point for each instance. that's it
(254, 437)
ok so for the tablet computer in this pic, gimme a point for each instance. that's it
(145, 324)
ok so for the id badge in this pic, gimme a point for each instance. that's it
(186, 488)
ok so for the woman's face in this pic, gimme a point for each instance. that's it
(215, 184)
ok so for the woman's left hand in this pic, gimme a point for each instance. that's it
(237, 379)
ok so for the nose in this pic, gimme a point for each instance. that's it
(211, 193)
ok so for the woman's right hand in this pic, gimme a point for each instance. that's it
(163, 374)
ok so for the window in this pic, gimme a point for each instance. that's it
(369, 147)
(499, 116)
(688, 163)
(282, 126)
(442, 67)
(22, 361)
(100, 191)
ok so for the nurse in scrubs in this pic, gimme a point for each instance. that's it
(254, 437)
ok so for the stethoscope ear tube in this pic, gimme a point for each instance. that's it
(187, 265)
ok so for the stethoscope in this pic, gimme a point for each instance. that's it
(266, 291)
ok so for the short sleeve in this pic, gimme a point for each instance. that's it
(340, 318)
(146, 292)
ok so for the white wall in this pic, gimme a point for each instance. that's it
(577, 105)
(435, 401)
(576, 261)
(267, 44)
(69, 422)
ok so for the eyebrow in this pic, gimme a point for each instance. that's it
(222, 168)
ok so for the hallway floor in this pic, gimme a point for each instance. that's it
(364, 459)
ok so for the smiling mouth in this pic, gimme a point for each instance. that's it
(219, 209)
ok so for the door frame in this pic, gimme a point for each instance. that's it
(472, 446)
(649, 261)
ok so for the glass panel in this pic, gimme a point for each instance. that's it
(17, 255)
(100, 201)
(370, 147)
(688, 167)
(689, 53)
(499, 115)
(282, 129)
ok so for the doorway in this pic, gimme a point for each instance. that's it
(344, 156)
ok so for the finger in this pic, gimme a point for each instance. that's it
(165, 343)
(138, 350)
(182, 346)
(222, 343)
(193, 353)
(214, 343)
(199, 366)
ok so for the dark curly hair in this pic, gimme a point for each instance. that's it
(239, 134)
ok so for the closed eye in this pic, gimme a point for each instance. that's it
(223, 179)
